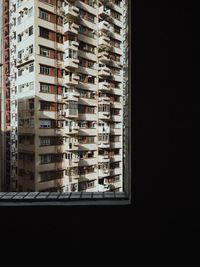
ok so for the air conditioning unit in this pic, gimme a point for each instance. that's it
(25, 10)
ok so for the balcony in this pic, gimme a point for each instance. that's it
(104, 40)
(104, 86)
(104, 26)
(88, 176)
(88, 161)
(71, 146)
(104, 57)
(72, 176)
(117, 118)
(104, 173)
(71, 45)
(71, 27)
(116, 158)
(62, 131)
(116, 171)
(116, 145)
(116, 131)
(71, 80)
(70, 10)
(104, 158)
(105, 48)
(75, 128)
(67, 163)
(116, 104)
(104, 71)
(105, 115)
(103, 188)
(88, 147)
(104, 144)
(103, 12)
(105, 99)
(71, 63)
(69, 113)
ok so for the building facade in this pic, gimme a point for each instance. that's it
(62, 95)
(126, 94)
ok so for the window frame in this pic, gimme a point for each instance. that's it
(83, 198)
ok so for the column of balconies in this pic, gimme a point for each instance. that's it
(71, 95)
(110, 60)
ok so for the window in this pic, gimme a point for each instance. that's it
(31, 67)
(59, 38)
(73, 108)
(45, 88)
(60, 55)
(45, 106)
(30, 30)
(90, 17)
(43, 14)
(91, 79)
(104, 137)
(19, 20)
(44, 51)
(45, 159)
(44, 141)
(19, 38)
(20, 72)
(44, 70)
(86, 47)
(117, 29)
(73, 53)
(20, 54)
(44, 33)
(45, 123)
(31, 49)
(90, 184)
(31, 104)
(104, 108)
(82, 77)
(31, 85)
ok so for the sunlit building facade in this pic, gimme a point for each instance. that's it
(62, 92)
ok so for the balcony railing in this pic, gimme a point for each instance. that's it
(71, 45)
(104, 71)
(104, 86)
(104, 12)
(71, 80)
(70, 10)
(72, 27)
(104, 26)
(71, 63)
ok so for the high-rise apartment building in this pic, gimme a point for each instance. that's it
(126, 93)
(62, 95)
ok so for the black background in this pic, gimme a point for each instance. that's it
(164, 215)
